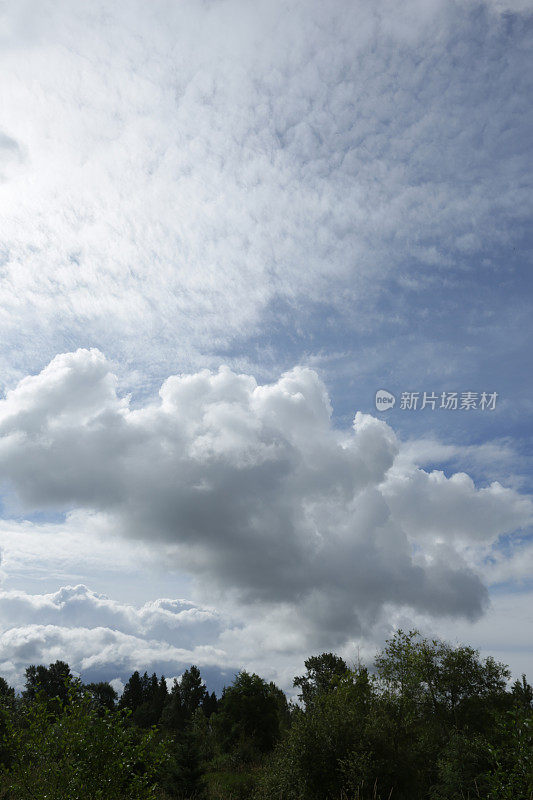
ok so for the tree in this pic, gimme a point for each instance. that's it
(160, 697)
(183, 775)
(323, 674)
(435, 721)
(5, 689)
(103, 693)
(155, 694)
(326, 753)
(435, 698)
(186, 695)
(51, 681)
(209, 704)
(248, 720)
(453, 681)
(522, 693)
(78, 752)
(173, 716)
(7, 703)
(192, 690)
(133, 694)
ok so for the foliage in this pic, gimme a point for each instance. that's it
(51, 681)
(432, 722)
(103, 694)
(182, 774)
(323, 672)
(77, 751)
(435, 721)
(186, 696)
(248, 721)
(231, 785)
(311, 761)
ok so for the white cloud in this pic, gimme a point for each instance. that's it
(95, 652)
(429, 505)
(176, 621)
(101, 637)
(181, 169)
(172, 176)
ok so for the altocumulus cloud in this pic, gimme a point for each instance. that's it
(250, 489)
(196, 164)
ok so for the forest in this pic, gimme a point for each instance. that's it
(428, 720)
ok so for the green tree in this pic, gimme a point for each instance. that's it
(186, 696)
(173, 715)
(323, 673)
(209, 704)
(78, 752)
(183, 774)
(192, 690)
(454, 682)
(5, 689)
(434, 698)
(522, 693)
(155, 695)
(133, 694)
(248, 721)
(327, 750)
(51, 680)
(103, 693)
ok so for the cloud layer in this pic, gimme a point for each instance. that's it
(250, 489)
(181, 171)
(101, 638)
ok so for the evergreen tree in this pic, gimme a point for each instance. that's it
(133, 694)
(186, 695)
(5, 689)
(209, 704)
(173, 715)
(183, 775)
(192, 690)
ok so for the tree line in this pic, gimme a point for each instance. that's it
(430, 721)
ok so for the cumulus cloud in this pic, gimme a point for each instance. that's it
(101, 637)
(97, 653)
(433, 506)
(171, 620)
(252, 490)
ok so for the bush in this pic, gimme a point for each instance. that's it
(74, 751)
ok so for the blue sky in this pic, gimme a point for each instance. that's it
(225, 226)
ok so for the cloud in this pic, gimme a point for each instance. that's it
(280, 184)
(97, 653)
(100, 637)
(71, 545)
(433, 506)
(250, 489)
(194, 168)
(175, 621)
(11, 156)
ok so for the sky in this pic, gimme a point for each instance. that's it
(225, 227)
